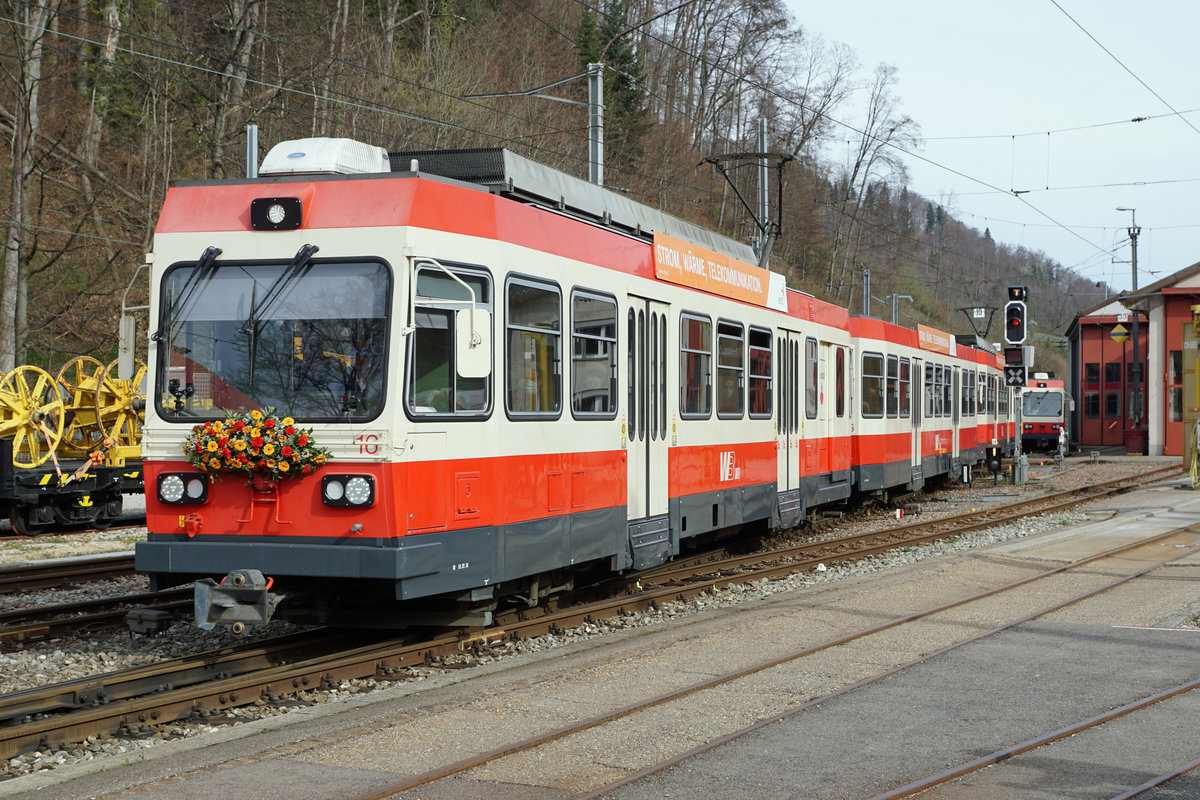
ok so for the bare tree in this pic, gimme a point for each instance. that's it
(884, 134)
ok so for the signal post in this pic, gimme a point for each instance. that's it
(1016, 366)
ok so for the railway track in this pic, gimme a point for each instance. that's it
(59, 572)
(180, 690)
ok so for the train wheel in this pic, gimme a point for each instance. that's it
(31, 415)
(78, 380)
(120, 406)
(26, 521)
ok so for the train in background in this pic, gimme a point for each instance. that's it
(1045, 409)
(517, 378)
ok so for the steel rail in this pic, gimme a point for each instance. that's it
(848, 548)
(1158, 781)
(465, 764)
(35, 624)
(1036, 742)
(52, 573)
(381, 662)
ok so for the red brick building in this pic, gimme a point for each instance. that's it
(1102, 367)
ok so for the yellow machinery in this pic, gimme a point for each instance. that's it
(84, 410)
(70, 445)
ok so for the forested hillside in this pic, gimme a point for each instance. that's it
(105, 102)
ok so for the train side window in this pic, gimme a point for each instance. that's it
(930, 391)
(893, 387)
(631, 346)
(810, 378)
(593, 355)
(695, 367)
(434, 386)
(662, 374)
(760, 373)
(731, 369)
(904, 388)
(968, 389)
(872, 385)
(534, 328)
(840, 391)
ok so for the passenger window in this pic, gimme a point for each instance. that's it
(593, 355)
(534, 327)
(872, 385)
(810, 378)
(730, 369)
(760, 373)
(434, 385)
(695, 353)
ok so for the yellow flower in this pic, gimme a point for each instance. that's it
(288, 421)
(271, 463)
(320, 459)
(268, 448)
(256, 414)
(215, 463)
(284, 466)
(212, 446)
(240, 444)
(255, 433)
(218, 427)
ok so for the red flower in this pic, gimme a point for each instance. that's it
(303, 440)
(268, 423)
(285, 450)
(223, 440)
(289, 430)
(262, 465)
(306, 469)
(239, 425)
(257, 441)
(226, 452)
(242, 458)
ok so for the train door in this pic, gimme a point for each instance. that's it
(955, 414)
(788, 434)
(647, 429)
(824, 413)
(918, 411)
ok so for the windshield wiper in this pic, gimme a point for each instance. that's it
(201, 274)
(297, 267)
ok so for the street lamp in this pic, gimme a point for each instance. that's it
(1136, 412)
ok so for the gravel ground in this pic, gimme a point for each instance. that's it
(59, 660)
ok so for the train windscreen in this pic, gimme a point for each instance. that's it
(1043, 404)
(305, 338)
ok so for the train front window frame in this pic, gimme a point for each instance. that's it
(433, 388)
(306, 338)
(532, 348)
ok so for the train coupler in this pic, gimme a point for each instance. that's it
(243, 598)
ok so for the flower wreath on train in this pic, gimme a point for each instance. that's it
(257, 444)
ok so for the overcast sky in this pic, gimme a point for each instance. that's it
(969, 68)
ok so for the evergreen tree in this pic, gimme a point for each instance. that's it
(626, 116)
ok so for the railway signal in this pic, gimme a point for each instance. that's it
(1014, 315)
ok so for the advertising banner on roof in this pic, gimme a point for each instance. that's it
(935, 340)
(688, 264)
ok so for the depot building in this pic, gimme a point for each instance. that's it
(1120, 400)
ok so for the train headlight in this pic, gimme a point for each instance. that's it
(182, 488)
(348, 490)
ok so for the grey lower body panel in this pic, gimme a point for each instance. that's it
(420, 565)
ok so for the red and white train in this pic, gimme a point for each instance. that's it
(1045, 408)
(519, 377)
